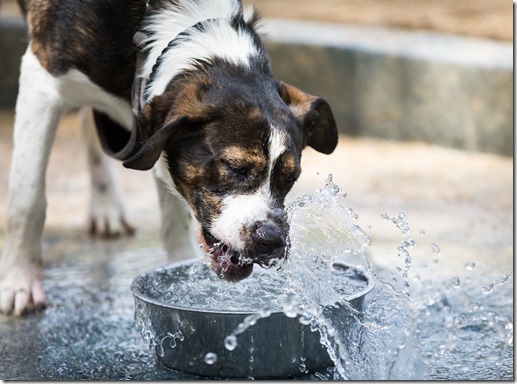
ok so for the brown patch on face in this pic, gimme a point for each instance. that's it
(244, 159)
(191, 100)
(191, 185)
(286, 171)
(210, 161)
(288, 163)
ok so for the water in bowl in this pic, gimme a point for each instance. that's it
(197, 287)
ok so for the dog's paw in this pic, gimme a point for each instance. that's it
(107, 219)
(20, 289)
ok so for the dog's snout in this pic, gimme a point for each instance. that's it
(267, 238)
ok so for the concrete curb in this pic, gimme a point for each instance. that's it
(394, 84)
(443, 89)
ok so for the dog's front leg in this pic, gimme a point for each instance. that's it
(107, 213)
(38, 109)
(178, 230)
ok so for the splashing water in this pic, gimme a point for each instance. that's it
(406, 331)
(362, 345)
(424, 330)
(410, 328)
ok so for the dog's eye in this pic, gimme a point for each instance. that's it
(239, 170)
(291, 180)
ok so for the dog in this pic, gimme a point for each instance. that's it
(183, 87)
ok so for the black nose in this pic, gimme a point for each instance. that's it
(269, 241)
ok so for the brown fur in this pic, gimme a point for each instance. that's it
(95, 39)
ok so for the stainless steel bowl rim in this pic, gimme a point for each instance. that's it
(136, 290)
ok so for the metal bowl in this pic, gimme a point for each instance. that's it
(192, 340)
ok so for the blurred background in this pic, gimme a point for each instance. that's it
(481, 18)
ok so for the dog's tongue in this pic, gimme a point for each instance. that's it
(228, 266)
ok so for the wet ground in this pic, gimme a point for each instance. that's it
(87, 332)
(459, 201)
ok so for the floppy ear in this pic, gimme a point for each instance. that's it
(315, 117)
(189, 109)
(147, 154)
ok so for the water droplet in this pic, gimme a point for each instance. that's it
(455, 281)
(422, 232)
(352, 214)
(210, 358)
(435, 248)
(303, 366)
(159, 350)
(290, 306)
(470, 266)
(230, 342)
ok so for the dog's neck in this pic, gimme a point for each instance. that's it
(178, 35)
(166, 19)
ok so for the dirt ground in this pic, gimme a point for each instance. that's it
(483, 18)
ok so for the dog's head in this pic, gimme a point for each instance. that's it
(229, 139)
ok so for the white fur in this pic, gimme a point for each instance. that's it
(74, 89)
(179, 231)
(42, 99)
(277, 140)
(239, 212)
(161, 171)
(37, 113)
(166, 25)
(219, 40)
(243, 211)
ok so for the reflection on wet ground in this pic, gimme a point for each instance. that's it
(87, 331)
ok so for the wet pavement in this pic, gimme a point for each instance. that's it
(87, 332)
(459, 201)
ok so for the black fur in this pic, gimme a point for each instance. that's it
(92, 36)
